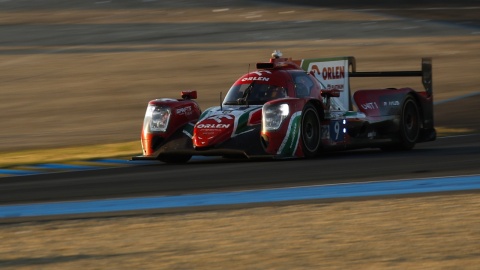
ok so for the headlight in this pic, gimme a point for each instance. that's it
(273, 116)
(156, 118)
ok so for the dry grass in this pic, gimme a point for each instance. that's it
(438, 232)
(26, 157)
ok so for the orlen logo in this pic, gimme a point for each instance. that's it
(329, 73)
(218, 119)
(259, 76)
(220, 126)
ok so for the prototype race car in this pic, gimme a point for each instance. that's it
(292, 109)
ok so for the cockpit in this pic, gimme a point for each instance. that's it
(255, 93)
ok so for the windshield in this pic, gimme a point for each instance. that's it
(253, 94)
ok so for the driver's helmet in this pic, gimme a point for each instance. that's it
(277, 92)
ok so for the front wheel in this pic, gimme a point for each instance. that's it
(310, 131)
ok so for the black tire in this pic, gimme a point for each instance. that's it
(175, 159)
(409, 130)
(310, 131)
(409, 124)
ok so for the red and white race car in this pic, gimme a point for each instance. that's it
(292, 109)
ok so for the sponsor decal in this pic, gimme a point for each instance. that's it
(260, 76)
(337, 130)
(214, 128)
(335, 86)
(263, 79)
(260, 72)
(218, 117)
(369, 106)
(218, 126)
(184, 111)
(329, 73)
(332, 74)
(391, 103)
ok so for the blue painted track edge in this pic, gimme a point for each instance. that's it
(329, 191)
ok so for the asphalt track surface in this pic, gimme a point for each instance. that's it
(456, 155)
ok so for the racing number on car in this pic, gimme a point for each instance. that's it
(336, 130)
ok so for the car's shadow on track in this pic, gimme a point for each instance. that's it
(347, 154)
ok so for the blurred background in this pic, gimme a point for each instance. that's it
(81, 72)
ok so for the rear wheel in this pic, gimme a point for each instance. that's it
(409, 126)
(310, 131)
(176, 159)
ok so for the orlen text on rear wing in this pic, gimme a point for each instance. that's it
(334, 73)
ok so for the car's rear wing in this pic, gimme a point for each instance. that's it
(425, 73)
(334, 73)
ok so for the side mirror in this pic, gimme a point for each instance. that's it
(331, 93)
(190, 94)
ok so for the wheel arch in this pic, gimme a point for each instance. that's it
(318, 106)
(418, 100)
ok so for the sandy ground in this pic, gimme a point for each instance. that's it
(437, 232)
(62, 95)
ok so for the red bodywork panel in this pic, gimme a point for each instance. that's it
(380, 102)
(182, 111)
(213, 130)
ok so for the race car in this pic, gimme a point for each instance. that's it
(292, 109)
